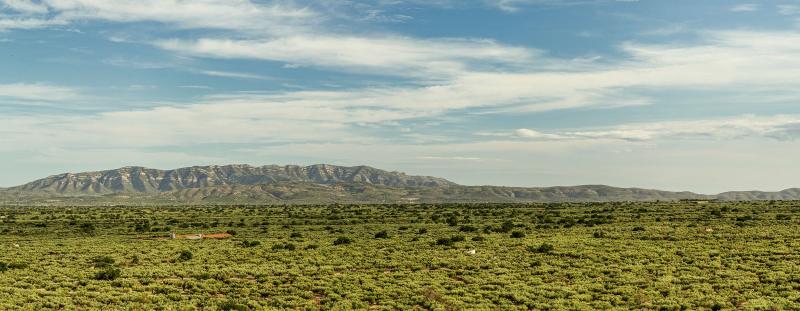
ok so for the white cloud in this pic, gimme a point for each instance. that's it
(513, 6)
(380, 16)
(135, 63)
(450, 158)
(282, 33)
(745, 7)
(38, 92)
(240, 15)
(197, 87)
(25, 6)
(385, 55)
(229, 74)
(462, 73)
(507, 5)
(75, 159)
(528, 133)
(236, 119)
(7, 23)
(789, 9)
(725, 60)
(780, 127)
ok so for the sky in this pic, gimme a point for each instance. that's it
(667, 94)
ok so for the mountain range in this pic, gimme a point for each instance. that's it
(314, 184)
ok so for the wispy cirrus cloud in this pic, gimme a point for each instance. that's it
(745, 7)
(779, 127)
(241, 15)
(38, 92)
(509, 6)
(513, 6)
(7, 23)
(230, 74)
(450, 158)
(789, 9)
(462, 73)
(385, 55)
(276, 32)
(453, 74)
(723, 60)
(25, 6)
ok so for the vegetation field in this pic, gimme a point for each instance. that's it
(607, 256)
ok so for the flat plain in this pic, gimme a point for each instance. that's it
(572, 256)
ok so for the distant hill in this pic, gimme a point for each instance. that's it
(788, 194)
(144, 180)
(362, 192)
(320, 183)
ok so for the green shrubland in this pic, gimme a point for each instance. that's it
(571, 256)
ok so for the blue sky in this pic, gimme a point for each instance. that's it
(676, 95)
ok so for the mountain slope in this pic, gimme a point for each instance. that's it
(788, 194)
(145, 180)
(354, 192)
(321, 183)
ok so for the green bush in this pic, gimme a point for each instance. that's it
(108, 274)
(505, 227)
(342, 241)
(10, 266)
(467, 229)
(142, 227)
(87, 228)
(444, 242)
(103, 261)
(452, 221)
(253, 243)
(382, 235)
(544, 248)
(185, 256)
(450, 241)
(580, 272)
(517, 234)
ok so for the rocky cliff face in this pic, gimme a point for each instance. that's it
(145, 180)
